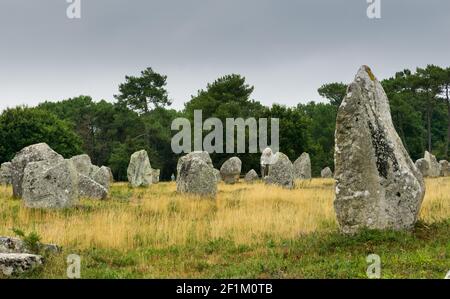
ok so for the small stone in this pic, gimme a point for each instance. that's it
(326, 173)
(231, 170)
(281, 172)
(14, 245)
(302, 167)
(251, 176)
(445, 168)
(6, 173)
(16, 263)
(139, 170)
(435, 168)
(423, 166)
(266, 161)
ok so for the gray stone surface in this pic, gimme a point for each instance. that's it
(251, 176)
(423, 166)
(50, 184)
(16, 263)
(14, 245)
(33, 153)
(377, 184)
(326, 173)
(155, 176)
(201, 155)
(140, 170)
(84, 165)
(196, 177)
(6, 173)
(231, 170)
(302, 167)
(445, 168)
(435, 168)
(217, 175)
(103, 177)
(266, 161)
(281, 172)
(88, 188)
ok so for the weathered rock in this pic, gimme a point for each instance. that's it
(231, 170)
(14, 245)
(423, 166)
(302, 167)
(435, 168)
(445, 168)
(17, 263)
(47, 184)
(139, 170)
(326, 173)
(202, 155)
(83, 164)
(155, 176)
(217, 175)
(196, 177)
(266, 161)
(6, 173)
(111, 175)
(88, 188)
(377, 184)
(33, 153)
(103, 177)
(251, 176)
(281, 171)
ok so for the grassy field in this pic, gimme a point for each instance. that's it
(249, 231)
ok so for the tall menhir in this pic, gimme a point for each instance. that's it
(377, 184)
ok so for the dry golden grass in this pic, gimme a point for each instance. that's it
(159, 217)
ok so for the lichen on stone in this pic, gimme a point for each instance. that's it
(369, 72)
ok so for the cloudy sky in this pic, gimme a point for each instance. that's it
(285, 48)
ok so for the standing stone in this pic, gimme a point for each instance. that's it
(266, 161)
(326, 173)
(139, 170)
(5, 173)
(435, 168)
(445, 168)
(103, 177)
(217, 175)
(201, 155)
(84, 165)
(281, 171)
(302, 167)
(196, 177)
(231, 170)
(33, 153)
(155, 176)
(424, 167)
(50, 185)
(88, 188)
(377, 184)
(111, 175)
(251, 176)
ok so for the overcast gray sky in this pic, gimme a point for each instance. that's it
(285, 48)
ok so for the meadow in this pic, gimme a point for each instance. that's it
(249, 231)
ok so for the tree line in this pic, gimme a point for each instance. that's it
(140, 117)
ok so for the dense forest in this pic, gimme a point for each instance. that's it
(140, 118)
